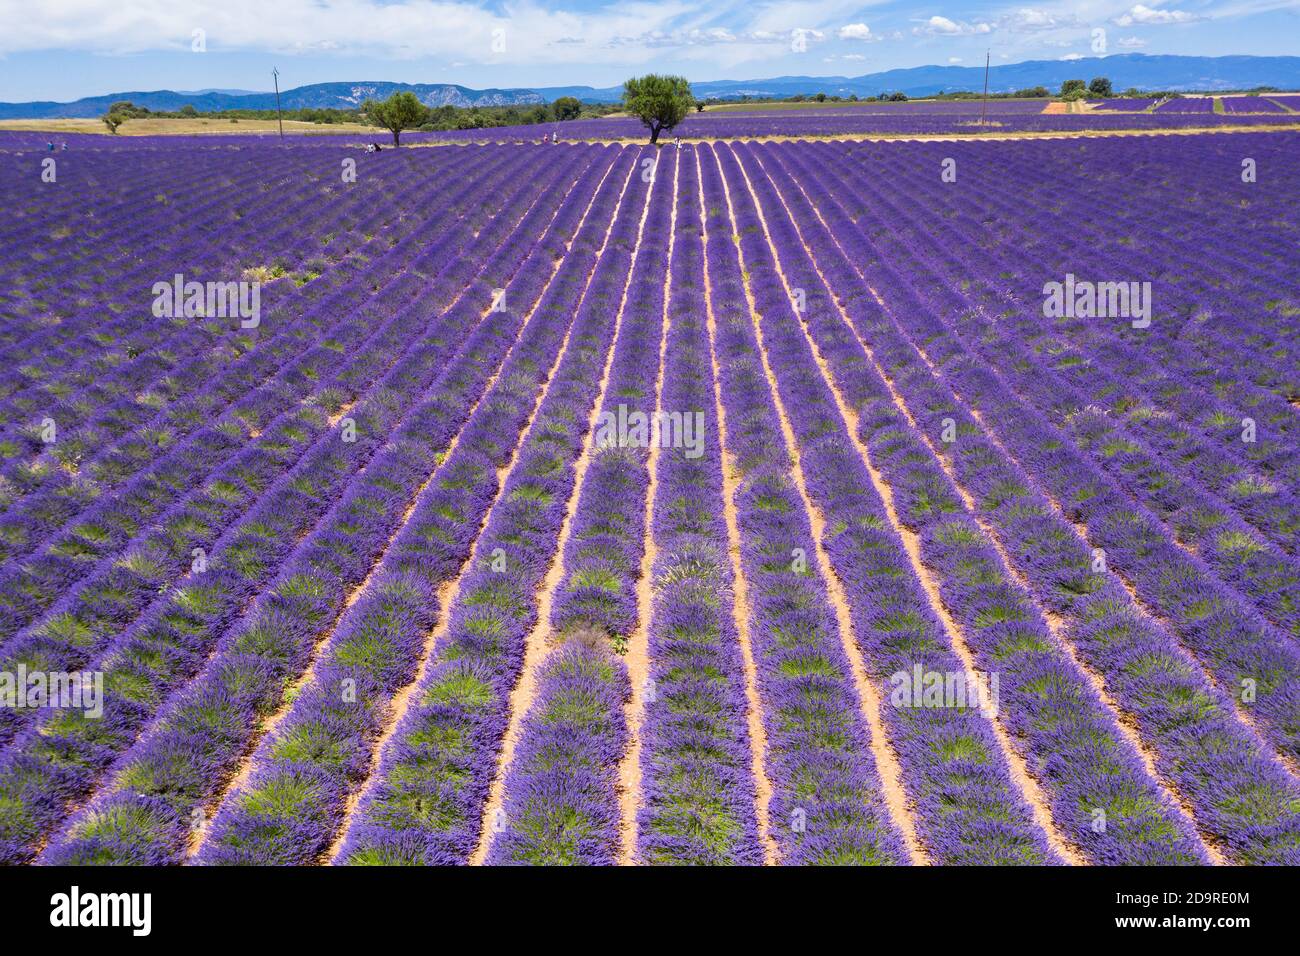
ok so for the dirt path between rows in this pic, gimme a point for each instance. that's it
(887, 765)
(1125, 721)
(637, 658)
(740, 607)
(449, 590)
(1016, 764)
(537, 646)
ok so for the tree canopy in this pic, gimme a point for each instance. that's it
(567, 108)
(400, 111)
(660, 102)
(128, 110)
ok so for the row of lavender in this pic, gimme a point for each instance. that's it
(322, 752)
(559, 802)
(163, 144)
(132, 379)
(183, 493)
(426, 802)
(1225, 491)
(382, 598)
(168, 641)
(81, 524)
(923, 119)
(1016, 587)
(1241, 795)
(737, 124)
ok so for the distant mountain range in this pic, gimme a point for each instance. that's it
(316, 96)
(1187, 73)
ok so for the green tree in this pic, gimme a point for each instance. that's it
(660, 102)
(400, 111)
(1072, 86)
(113, 121)
(567, 108)
(129, 110)
(1100, 86)
(188, 110)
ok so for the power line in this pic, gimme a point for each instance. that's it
(279, 118)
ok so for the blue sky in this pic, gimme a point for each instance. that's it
(61, 50)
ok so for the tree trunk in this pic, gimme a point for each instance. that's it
(396, 134)
(654, 133)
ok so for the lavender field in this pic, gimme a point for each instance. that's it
(730, 502)
(919, 118)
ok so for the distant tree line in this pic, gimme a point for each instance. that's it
(661, 102)
(897, 96)
(1100, 88)
(403, 111)
(483, 117)
(123, 110)
(128, 110)
(407, 113)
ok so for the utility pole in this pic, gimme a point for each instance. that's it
(985, 104)
(280, 119)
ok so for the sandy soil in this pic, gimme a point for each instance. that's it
(741, 605)
(1017, 766)
(637, 658)
(538, 643)
(886, 760)
(448, 591)
(1124, 720)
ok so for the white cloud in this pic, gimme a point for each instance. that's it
(853, 56)
(533, 31)
(807, 32)
(1072, 56)
(402, 29)
(1132, 43)
(1033, 20)
(954, 59)
(1149, 16)
(942, 26)
(681, 38)
(854, 31)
